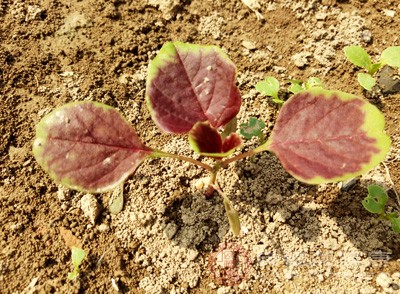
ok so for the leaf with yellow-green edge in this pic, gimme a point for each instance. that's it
(88, 146)
(206, 140)
(327, 136)
(189, 83)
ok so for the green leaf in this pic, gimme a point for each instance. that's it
(391, 56)
(374, 68)
(269, 87)
(358, 56)
(252, 129)
(313, 82)
(366, 81)
(295, 88)
(376, 200)
(77, 255)
(395, 221)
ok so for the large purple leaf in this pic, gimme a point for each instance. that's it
(189, 83)
(88, 146)
(327, 136)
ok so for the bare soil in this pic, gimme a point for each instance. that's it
(299, 238)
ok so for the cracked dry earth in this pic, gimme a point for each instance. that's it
(296, 238)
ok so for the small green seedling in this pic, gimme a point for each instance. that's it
(77, 256)
(376, 201)
(297, 86)
(320, 136)
(77, 253)
(270, 87)
(359, 57)
(253, 129)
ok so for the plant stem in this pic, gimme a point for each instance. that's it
(158, 153)
(224, 163)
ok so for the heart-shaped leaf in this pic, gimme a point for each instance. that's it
(376, 200)
(252, 129)
(327, 136)
(88, 146)
(206, 140)
(189, 83)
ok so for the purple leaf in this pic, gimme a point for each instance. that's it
(327, 136)
(231, 142)
(206, 140)
(88, 146)
(189, 83)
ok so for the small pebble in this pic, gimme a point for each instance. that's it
(249, 45)
(383, 280)
(90, 207)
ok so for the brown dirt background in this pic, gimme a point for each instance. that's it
(52, 52)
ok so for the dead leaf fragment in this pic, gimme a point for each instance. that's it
(69, 238)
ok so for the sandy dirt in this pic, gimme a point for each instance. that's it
(296, 238)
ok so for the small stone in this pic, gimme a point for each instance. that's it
(192, 254)
(103, 228)
(90, 207)
(389, 12)
(274, 198)
(170, 230)
(383, 280)
(366, 36)
(388, 80)
(288, 274)
(16, 227)
(347, 185)
(396, 276)
(249, 45)
(321, 16)
(63, 193)
(301, 59)
(201, 183)
(331, 243)
(280, 216)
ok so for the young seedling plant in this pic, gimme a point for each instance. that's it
(78, 255)
(320, 136)
(270, 87)
(376, 201)
(359, 57)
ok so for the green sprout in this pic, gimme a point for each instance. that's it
(359, 57)
(253, 129)
(270, 87)
(376, 201)
(77, 256)
(298, 86)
